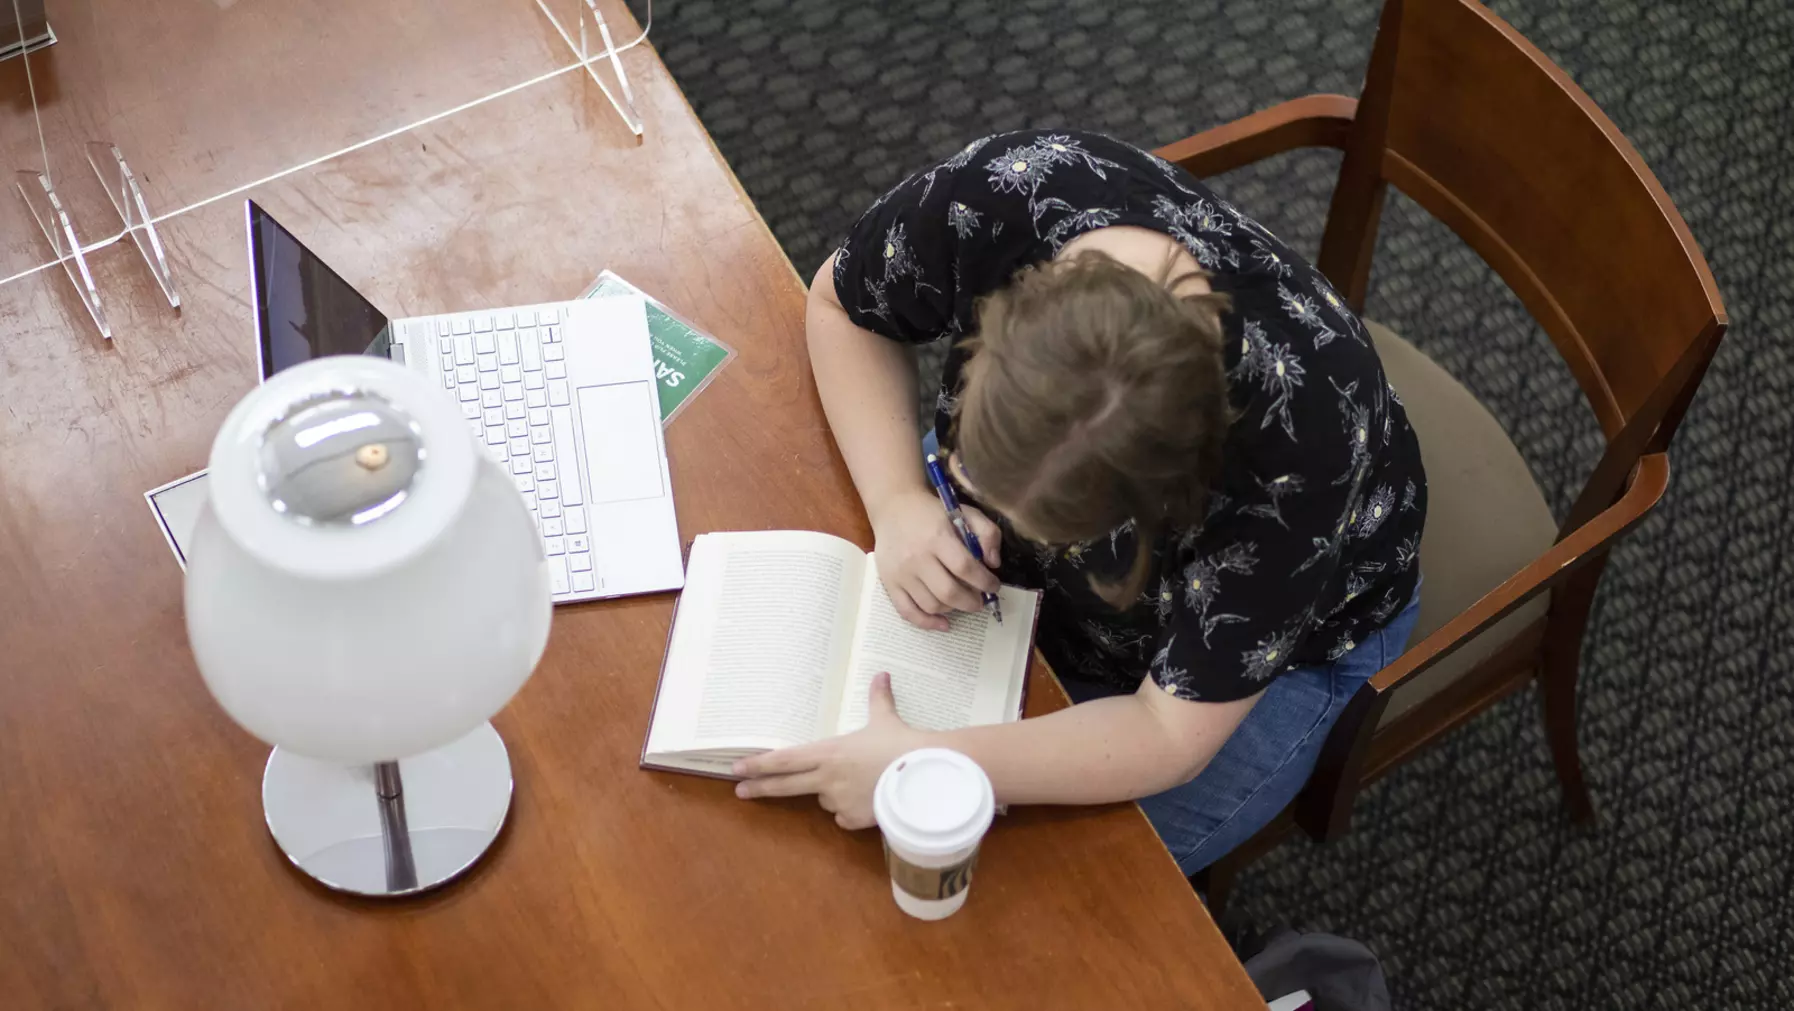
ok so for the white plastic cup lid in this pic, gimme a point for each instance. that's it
(933, 802)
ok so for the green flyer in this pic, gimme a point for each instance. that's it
(685, 358)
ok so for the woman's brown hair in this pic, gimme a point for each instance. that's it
(1094, 395)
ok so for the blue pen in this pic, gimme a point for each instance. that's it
(937, 476)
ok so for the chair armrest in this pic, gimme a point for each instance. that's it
(1310, 121)
(1552, 567)
(1324, 807)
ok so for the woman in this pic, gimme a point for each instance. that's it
(1183, 437)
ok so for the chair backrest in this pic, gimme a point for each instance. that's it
(1483, 131)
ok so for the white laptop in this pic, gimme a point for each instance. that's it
(562, 395)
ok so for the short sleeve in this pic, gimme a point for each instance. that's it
(1244, 601)
(895, 273)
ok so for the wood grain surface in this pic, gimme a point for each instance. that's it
(135, 870)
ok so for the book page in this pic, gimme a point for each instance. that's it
(762, 631)
(970, 674)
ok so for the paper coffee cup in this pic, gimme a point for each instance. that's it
(933, 806)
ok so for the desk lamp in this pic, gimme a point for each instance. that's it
(365, 590)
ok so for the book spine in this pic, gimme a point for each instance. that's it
(661, 680)
(1033, 633)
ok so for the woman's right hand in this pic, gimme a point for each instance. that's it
(925, 567)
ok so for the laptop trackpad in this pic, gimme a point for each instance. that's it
(622, 447)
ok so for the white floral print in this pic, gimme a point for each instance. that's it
(1113, 641)
(1271, 655)
(1247, 224)
(1075, 222)
(1022, 169)
(1116, 534)
(1018, 170)
(1202, 584)
(1162, 600)
(1406, 552)
(1063, 149)
(1267, 257)
(1303, 309)
(1387, 607)
(1275, 490)
(1174, 174)
(1324, 547)
(1171, 678)
(963, 157)
(1184, 222)
(962, 219)
(1206, 219)
(1350, 323)
(899, 262)
(1077, 554)
(1377, 508)
(1356, 418)
(1278, 371)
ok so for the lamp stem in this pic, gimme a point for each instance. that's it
(401, 868)
(387, 781)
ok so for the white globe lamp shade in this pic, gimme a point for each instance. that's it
(365, 589)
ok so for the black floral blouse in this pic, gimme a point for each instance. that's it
(1314, 523)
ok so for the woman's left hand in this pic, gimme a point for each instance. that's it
(840, 771)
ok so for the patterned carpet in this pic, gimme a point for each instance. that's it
(1462, 871)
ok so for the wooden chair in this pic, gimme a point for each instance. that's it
(1488, 135)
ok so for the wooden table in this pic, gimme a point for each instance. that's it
(135, 870)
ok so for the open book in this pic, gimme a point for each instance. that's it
(779, 634)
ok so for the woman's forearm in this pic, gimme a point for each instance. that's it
(868, 389)
(1106, 750)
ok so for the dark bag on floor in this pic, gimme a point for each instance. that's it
(1339, 974)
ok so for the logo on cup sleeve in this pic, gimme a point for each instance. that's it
(931, 883)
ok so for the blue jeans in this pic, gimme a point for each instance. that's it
(1268, 759)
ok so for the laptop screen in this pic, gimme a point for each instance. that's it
(303, 309)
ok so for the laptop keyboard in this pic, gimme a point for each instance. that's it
(508, 368)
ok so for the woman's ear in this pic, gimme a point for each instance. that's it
(957, 471)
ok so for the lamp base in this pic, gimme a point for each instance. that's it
(348, 828)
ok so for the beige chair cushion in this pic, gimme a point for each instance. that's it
(1486, 518)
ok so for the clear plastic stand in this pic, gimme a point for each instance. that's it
(47, 209)
(590, 31)
(34, 184)
(127, 198)
(84, 84)
(33, 33)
